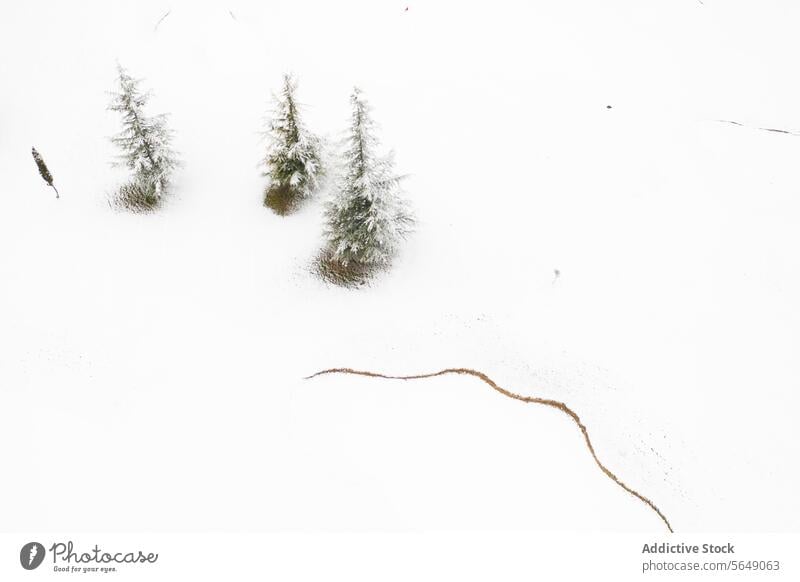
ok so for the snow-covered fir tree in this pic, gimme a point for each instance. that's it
(367, 218)
(145, 144)
(293, 154)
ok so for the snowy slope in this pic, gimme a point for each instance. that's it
(151, 366)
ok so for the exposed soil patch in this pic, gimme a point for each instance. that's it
(281, 200)
(134, 198)
(353, 275)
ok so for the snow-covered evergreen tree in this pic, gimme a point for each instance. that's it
(43, 170)
(145, 143)
(293, 155)
(367, 217)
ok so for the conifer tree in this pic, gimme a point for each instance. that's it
(145, 144)
(293, 155)
(45, 173)
(367, 218)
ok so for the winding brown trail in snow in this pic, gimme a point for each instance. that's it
(528, 399)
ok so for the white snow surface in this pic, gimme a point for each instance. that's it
(151, 365)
